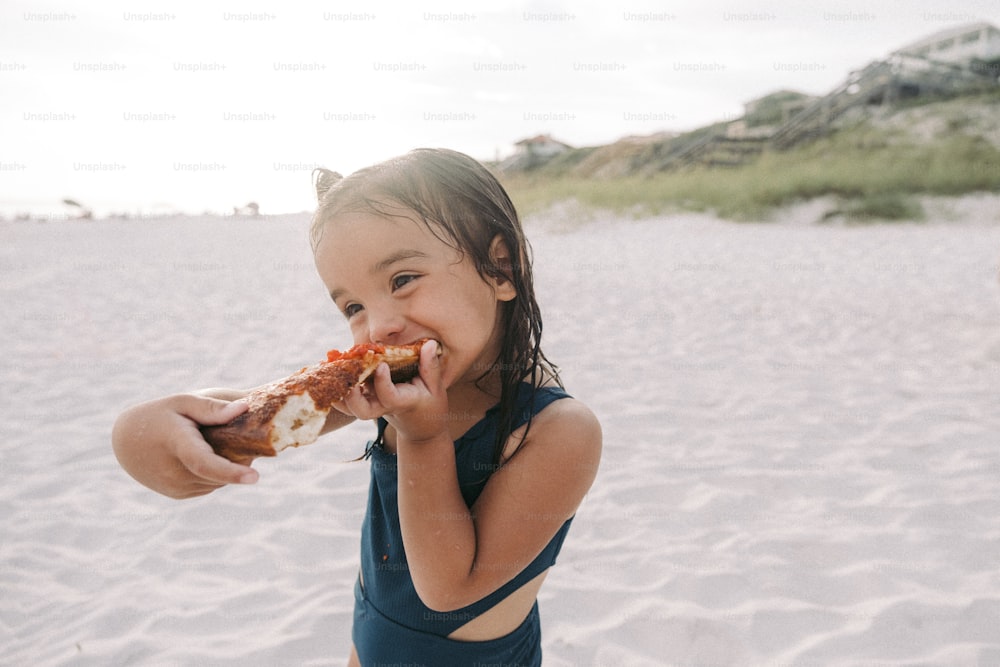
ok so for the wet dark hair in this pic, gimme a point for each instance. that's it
(464, 205)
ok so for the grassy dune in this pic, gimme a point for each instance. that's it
(873, 169)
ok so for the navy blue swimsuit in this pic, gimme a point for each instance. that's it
(391, 623)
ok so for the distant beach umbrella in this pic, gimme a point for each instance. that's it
(84, 212)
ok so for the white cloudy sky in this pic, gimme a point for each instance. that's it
(195, 106)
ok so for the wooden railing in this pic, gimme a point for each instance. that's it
(880, 81)
(859, 88)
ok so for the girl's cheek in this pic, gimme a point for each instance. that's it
(358, 330)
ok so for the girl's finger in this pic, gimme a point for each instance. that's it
(385, 390)
(197, 456)
(209, 411)
(430, 362)
(363, 403)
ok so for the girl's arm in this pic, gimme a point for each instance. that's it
(160, 445)
(457, 557)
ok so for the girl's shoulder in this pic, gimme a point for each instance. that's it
(561, 426)
(565, 414)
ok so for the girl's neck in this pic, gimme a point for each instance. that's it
(475, 397)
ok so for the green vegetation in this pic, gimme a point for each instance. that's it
(873, 171)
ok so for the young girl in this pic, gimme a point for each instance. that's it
(479, 463)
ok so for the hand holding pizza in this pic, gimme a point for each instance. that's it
(159, 444)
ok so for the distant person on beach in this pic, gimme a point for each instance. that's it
(479, 463)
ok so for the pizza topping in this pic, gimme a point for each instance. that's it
(356, 352)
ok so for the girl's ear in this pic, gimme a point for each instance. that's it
(503, 284)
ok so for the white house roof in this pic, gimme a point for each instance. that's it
(947, 33)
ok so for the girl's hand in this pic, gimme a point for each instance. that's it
(418, 409)
(159, 444)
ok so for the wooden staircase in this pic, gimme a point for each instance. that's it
(880, 82)
(862, 87)
(717, 150)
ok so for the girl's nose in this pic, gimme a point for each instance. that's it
(384, 326)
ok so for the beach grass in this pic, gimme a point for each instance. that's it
(874, 173)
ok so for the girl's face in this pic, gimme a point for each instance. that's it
(396, 282)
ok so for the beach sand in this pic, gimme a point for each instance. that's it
(801, 463)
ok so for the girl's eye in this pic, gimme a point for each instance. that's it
(402, 280)
(351, 309)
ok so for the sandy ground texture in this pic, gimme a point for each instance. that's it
(802, 444)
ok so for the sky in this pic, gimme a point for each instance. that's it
(157, 107)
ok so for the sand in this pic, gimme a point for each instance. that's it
(801, 444)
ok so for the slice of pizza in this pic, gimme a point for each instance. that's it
(291, 412)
